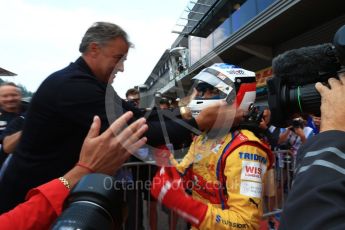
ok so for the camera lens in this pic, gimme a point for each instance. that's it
(96, 202)
(304, 99)
(84, 215)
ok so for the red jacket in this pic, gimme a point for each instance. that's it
(43, 206)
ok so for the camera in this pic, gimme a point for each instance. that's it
(132, 103)
(253, 119)
(291, 90)
(94, 203)
(255, 114)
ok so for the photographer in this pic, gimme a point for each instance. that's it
(103, 153)
(317, 197)
(295, 135)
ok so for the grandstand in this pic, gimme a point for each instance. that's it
(247, 33)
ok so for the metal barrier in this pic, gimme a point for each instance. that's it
(145, 211)
(278, 185)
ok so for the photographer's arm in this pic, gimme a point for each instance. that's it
(103, 153)
(317, 195)
(300, 133)
(284, 135)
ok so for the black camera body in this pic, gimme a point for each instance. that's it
(252, 120)
(255, 114)
(132, 103)
(295, 72)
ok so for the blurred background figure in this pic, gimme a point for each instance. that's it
(291, 139)
(295, 135)
(314, 123)
(10, 104)
(164, 103)
(11, 107)
(133, 97)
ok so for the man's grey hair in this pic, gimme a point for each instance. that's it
(101, 33)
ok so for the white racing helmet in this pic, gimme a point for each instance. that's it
(236, 85)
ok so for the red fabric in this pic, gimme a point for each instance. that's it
(162, 155)
(43, 206)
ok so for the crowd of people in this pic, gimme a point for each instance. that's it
(228, 158)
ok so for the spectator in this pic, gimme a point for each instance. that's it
(164, 103)
(133, 97)
(314, 123)
(225, 171)
(64, 105)
(11, 107)
(10, 103)
(103, 153)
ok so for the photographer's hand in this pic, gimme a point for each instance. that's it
(332, 104)
(299, 132)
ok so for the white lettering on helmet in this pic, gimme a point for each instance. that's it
(236, 71)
